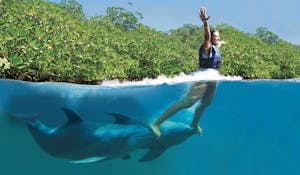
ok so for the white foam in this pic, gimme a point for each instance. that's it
(297, 80)
(203, 75)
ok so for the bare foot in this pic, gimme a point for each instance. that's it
(155, 129)
(197, 129)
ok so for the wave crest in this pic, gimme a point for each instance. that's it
(201, 75)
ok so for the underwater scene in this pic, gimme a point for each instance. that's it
(250, 127)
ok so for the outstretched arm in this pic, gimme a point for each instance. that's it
(207, 41)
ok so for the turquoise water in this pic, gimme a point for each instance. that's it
(251, 127)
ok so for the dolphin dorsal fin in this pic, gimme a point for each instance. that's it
(121, 119)
(73, 117)
(125, 120)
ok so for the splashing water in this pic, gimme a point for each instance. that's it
(202, 75)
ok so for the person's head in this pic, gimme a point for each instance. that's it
(215, 37)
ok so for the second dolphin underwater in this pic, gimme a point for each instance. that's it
(80, 141)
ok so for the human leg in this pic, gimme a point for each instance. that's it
(195, 93)
(173, 109)
(205, 102)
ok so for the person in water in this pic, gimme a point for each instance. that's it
(209, 57)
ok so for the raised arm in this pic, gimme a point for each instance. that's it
(207, 35)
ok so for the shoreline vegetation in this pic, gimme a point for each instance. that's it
(45, 41)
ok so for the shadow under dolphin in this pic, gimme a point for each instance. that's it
(81, 141)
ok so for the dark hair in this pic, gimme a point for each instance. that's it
(212, 31)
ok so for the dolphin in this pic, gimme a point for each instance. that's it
(80, 141)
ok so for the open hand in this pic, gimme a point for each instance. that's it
(202, 14)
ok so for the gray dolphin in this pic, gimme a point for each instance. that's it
(83, 142)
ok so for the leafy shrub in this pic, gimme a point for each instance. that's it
(43, 41)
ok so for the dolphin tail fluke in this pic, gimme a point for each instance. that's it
(152, 154)
(73, 117)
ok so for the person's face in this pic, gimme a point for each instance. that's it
(216, 38)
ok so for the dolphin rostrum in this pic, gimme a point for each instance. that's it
(81, 141)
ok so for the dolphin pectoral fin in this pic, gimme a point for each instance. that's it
(73, 117)
(152, 154)
(90, 160)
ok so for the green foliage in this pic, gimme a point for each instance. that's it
(254, 58)
(123, 19)
(72, 7)
(43, 41)
(264, 34)
(189, 34)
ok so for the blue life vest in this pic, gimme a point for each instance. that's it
(214, 59)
